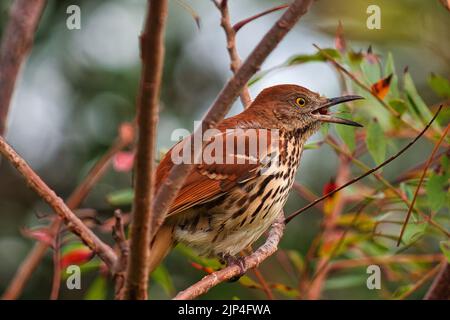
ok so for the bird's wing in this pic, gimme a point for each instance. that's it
(207, 182)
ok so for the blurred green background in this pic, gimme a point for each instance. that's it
(79, 85)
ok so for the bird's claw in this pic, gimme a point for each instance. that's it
(235, 261)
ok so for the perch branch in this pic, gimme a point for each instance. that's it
(249, 262)
(170, 187)
(152, 55)
(17, 41)
(48, 195)
(368, 172)
(35, 256)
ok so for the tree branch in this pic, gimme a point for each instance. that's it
(152, 55)
(58, 205)
(17, 41)
(368, 172)
(35, 256)
(249, 262)
(230, 34)
(173, 183)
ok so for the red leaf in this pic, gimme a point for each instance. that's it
(123, 161)
(330, 201)
(77, 256)
(339, 41)
(43, 235)
(381, 87)
(198, 266)
(371, 57)
(329, 187)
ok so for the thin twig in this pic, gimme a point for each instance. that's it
(240, 24)
(421, 282)
(173, 183)
(35, 256)
(264, 286)
(48, 195)
(249, 262)
(152, 55)
(56, 281)
(230, 33)
(313, 203)
(118, 233)
(17, 41)
(424, 172)
(389, 185)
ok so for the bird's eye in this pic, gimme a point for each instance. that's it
(300, 102)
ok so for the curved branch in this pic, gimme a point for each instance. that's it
(249, 262)
(35, 256)
(48, 195)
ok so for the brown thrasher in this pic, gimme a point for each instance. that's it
(225, 206)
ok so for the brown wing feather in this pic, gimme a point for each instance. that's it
(207, 181)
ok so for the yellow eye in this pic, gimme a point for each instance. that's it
(300, 102)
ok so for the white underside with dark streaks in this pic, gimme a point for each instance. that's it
(233, 225)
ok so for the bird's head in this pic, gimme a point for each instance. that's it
(294, 106)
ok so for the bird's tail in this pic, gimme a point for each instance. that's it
(160, 246)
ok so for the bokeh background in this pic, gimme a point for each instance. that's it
(79, 85)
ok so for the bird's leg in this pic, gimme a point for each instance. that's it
(230, 260)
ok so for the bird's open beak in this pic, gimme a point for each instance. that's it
(321, 113)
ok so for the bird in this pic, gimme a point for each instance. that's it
(223, 207)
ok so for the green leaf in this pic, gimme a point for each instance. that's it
(318, 56)
(399, 105)
(248, 282)
(416, 104)
(347, 134)
(285, 290)
(413, 232)
(190, 254)
(346, 281)
(376, 141)
(440, 85)
(371, 71)
(120, 197)
(296, 60)
(296, 259)
(400, 291)
(445, 248)
(162, 277)
(437, 193)
(390, 69)
(97, 289)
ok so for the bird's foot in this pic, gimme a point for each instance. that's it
(235, 261)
